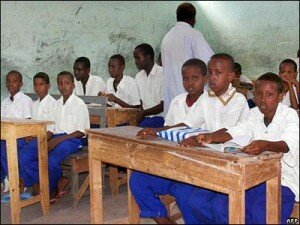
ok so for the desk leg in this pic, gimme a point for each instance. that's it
(13, 174)
(43, 170)
(111, 118)
(96, 197)
(133, 208)
(237, 207)
(273, 192)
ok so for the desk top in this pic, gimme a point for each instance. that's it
(129, 133)
(17, 121)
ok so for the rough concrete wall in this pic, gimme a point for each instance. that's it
(259, 34)
(49, 36)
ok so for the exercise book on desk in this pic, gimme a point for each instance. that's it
(178, 134)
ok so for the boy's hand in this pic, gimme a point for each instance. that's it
(140, 116)
(204, 138)
(189, 142)
(255, 147)
(112, 98)
(101, 94)
(146, 133)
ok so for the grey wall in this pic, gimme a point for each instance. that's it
(49, 36)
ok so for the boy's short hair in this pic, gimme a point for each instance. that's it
(43, 76)
(119, 57)
(85, 61)
(289, 61)
(66, 73)
(146, 49)
(226, 57)
(185, 11)
(16, 72)
(237, 68)
(274, 78)
(196, 63)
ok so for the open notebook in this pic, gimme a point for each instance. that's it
(233, 145)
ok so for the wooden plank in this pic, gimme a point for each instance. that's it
(273, 192)
(133, 208)
(237, 206)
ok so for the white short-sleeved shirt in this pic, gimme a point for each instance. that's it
(20, 108)
(151, 87)
(286, 98)
(182, 42)
(247, 80)
(211, 114)
(178, 110)
(71, 116)
(127, 91)
(94, 85)
(44, 110)
(284, 127)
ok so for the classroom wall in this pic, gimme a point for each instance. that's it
(49, 36)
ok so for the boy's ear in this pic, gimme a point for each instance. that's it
(280, 96)
(231, 76)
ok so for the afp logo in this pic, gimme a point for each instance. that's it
(292, 220)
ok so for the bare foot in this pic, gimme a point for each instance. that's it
(164, 220)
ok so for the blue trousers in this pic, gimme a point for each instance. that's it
(146, 189)
(212, 207)
(154, 122)
(55, 157)
(4, 168)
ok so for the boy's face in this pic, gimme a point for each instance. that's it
(41, 88)
(287, 72)
(65, 85)
(266, 96)
(13, 83)
(193, 80)
(141, 60)
(219, 75)
(80, 72)
(115, 68)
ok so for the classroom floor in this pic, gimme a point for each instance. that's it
(64, 213)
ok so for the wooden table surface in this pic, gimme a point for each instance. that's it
(11, 130)
(224, 172)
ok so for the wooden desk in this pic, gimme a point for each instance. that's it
(223, 172)
(11, 130)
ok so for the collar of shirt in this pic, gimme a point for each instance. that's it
(185, 24)
(226, 96)
(16, 96)
(61, 100)
(44, 100)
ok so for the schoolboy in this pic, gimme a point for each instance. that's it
(145, 187)
(244, 82)
(288, 73)
(86, 83)
(71, 118)
(42, 109)
(16, 105)
(150, 84)
(122, 90)
(273, 127)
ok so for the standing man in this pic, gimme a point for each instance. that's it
(181, 43)
(85, 83)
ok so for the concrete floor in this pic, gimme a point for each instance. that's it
(64, 213)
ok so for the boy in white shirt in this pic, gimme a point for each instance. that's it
(85, 83)
(146, 187)
(42, 109)
(71, 118)
(288, 73)
(150, 85)
(122, 90)
(16, 105)
(273, 127)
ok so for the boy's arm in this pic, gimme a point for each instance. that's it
(293, 98)
(113, 98)
(151, 111)
(55, 141)
(258, 146)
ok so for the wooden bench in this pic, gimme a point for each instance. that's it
(295, 213)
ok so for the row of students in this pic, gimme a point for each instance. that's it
(272, 125)
(71, 119)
